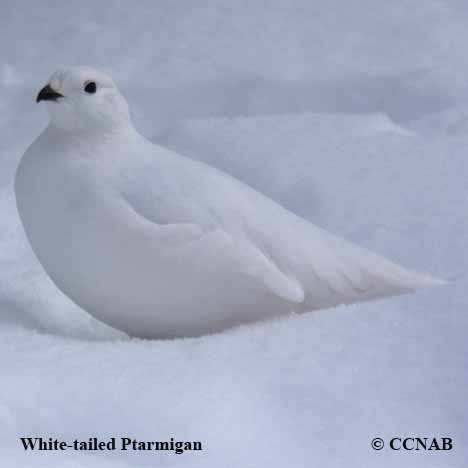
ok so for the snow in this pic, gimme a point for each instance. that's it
(350, 114)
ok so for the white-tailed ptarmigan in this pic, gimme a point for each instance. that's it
(159, 245)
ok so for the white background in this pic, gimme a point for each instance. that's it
(353, 114)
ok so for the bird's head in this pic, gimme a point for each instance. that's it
(81, 99)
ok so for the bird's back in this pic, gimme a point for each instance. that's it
(329, 270)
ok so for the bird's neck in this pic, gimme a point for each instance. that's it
(118, 131)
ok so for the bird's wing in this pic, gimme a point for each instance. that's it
(334, 271)
(216, 250)
(292, 258)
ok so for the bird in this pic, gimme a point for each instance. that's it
(162, 246)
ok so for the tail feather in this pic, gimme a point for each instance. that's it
(347, 273)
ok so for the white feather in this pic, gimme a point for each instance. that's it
(159, 245)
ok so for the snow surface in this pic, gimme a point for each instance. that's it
(352, 114)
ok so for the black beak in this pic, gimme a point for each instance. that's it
(47, 93)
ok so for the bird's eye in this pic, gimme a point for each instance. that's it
(90, 87)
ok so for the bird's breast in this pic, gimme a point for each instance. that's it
(55, 205)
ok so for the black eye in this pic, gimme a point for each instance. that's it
(90, 87)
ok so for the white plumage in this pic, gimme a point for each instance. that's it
(159, 245)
